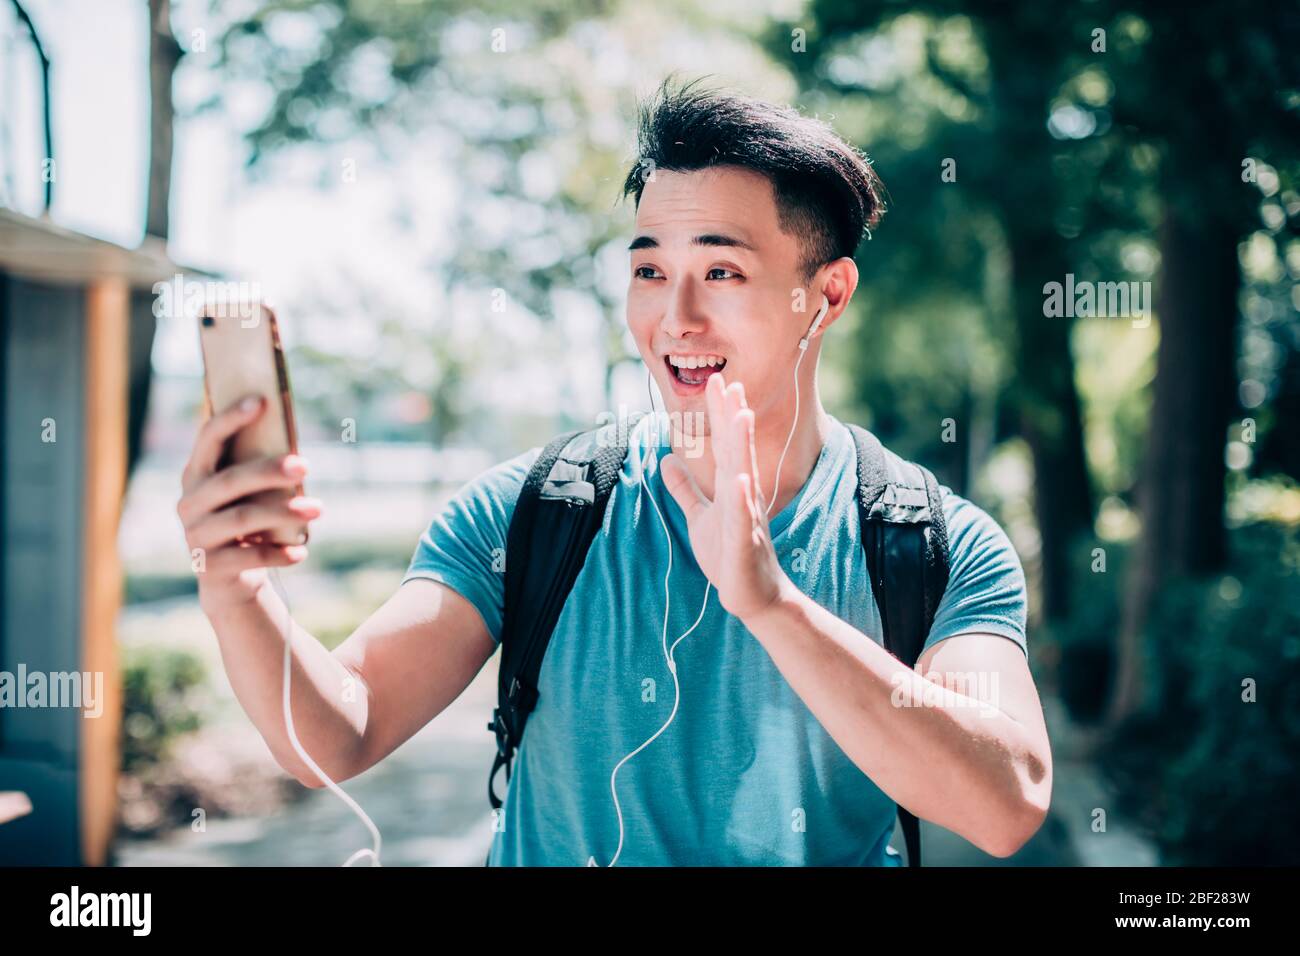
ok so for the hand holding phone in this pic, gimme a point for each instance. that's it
(242, 503)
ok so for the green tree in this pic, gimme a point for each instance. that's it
(1184, 77)
(978, 96)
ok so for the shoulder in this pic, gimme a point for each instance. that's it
(497, 487)
(507, 477)
(464, 544)
(972, 530)
(479, 511)
(986, 581)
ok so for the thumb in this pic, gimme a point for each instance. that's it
(681, 485)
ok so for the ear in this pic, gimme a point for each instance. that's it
(837, 281)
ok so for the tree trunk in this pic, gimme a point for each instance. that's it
(1181, 492)
(1044, 391)
(164, 54)
(1050, 416)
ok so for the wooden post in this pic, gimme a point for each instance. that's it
(107, 330)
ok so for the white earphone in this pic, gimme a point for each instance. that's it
(803, 349)
(668, 651)
(812, 329)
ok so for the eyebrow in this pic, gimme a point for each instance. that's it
(708, 239)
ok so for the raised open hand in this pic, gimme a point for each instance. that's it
(729, 534)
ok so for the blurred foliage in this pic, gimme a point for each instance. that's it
(165, 694)
(1086, 639)
(339, 67)
(385, 386)
(142, 588)
(1115, 364)
(1210, 775)
(327, 557)
(1015, 150)
(348, 555)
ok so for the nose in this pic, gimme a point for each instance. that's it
(681, 312)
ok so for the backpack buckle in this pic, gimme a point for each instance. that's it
(521, 697)
(498, 727)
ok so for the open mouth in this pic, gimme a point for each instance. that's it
(693, 371)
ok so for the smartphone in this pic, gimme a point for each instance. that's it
(242, 355)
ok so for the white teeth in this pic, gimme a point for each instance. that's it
(695, 361)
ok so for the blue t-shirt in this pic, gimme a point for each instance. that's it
(744, 774)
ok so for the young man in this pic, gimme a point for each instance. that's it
(783, 732)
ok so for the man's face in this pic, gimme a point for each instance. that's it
(713, 280)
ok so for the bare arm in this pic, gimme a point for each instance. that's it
(975, 760)
(416, 654)
(352, 707)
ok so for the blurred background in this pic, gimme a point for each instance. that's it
(427, 190)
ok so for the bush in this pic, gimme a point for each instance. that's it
(164, 694)
(172, 765)
(1210, 773)
(142, 588)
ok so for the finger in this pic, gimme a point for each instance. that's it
(230, 560)
(713, 392)
(746, 507)
(736, 396)
(733, 460)
(745, 485)
(727, 461)
(256, 523)
(215, 432)
(250, 518)
(239, 481)
(746, 453)
(681, 485)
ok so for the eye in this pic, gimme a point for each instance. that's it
(639, 272)
(729, 275)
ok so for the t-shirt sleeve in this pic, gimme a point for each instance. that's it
(986, 584)
(464, 546)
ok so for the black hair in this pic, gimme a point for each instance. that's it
(826, 192)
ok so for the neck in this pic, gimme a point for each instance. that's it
(771, 429)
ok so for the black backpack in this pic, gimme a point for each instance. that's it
(562, 505)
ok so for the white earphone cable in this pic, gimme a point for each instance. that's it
(668, 651)
(803, 350)
(372, 852)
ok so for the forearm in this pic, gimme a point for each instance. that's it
(965, 765)
(329, 702)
